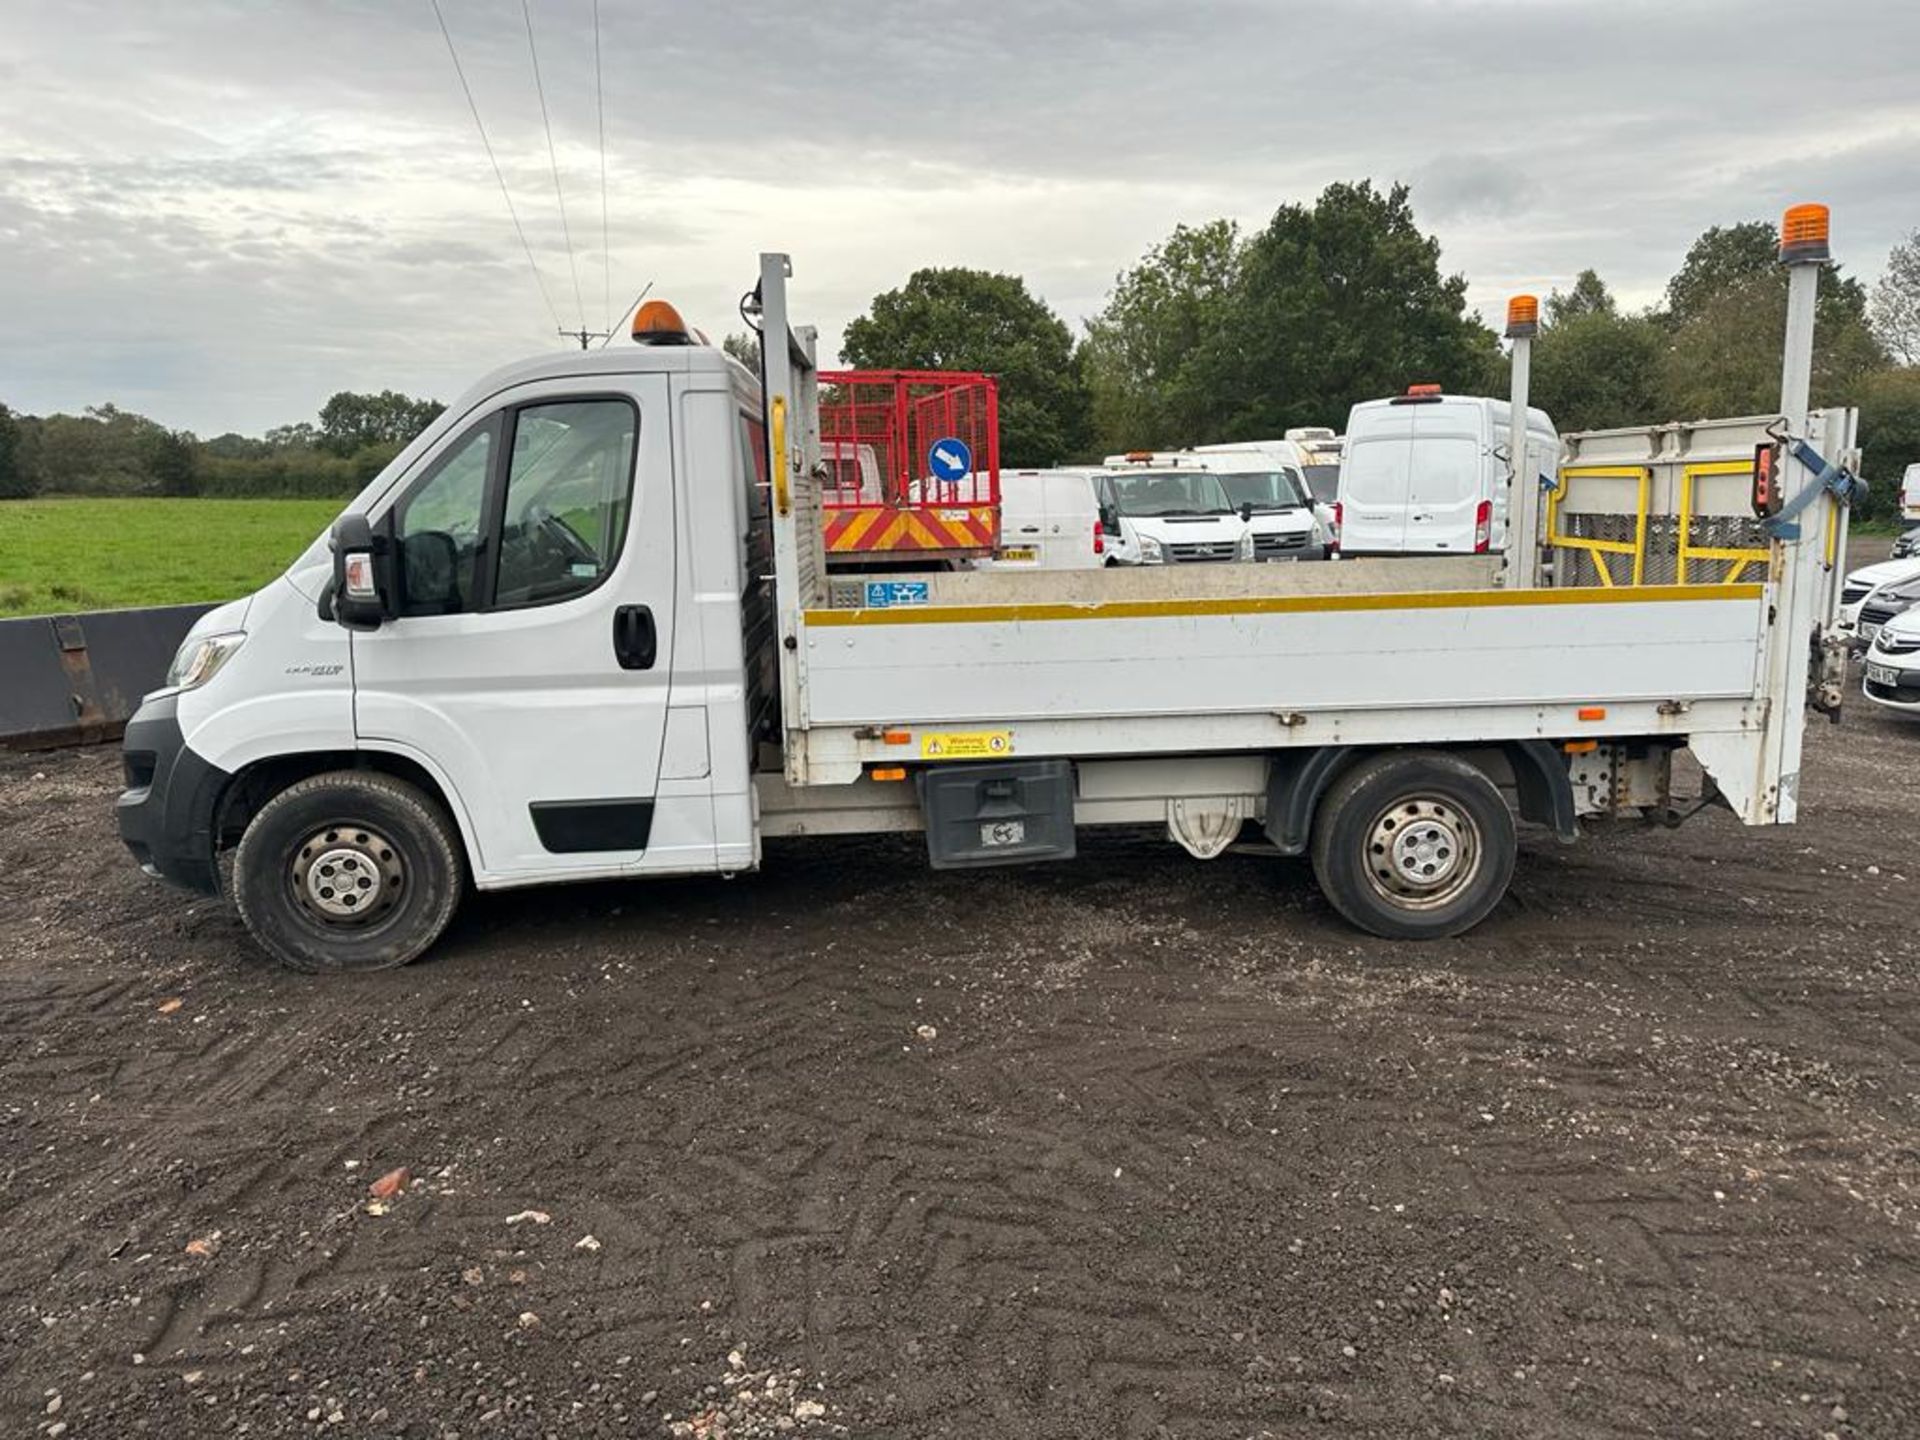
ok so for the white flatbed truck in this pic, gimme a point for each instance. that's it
(583, 628)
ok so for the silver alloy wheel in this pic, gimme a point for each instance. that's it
(347, 875)
(1422, 852)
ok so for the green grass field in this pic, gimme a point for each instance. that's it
(61, 555)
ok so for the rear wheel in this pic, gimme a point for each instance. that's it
(1414, 846)
(351, 870)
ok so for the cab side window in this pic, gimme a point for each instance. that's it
(569, 486)
(439, 526)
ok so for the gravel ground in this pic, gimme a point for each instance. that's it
(1129, 1146)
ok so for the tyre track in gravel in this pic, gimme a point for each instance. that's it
(1638, 1157)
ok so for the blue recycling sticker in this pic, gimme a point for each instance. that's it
(949, 459)
(885, 594)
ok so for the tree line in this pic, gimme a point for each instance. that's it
(1216, 335)
(1213, 335)
(109, 451)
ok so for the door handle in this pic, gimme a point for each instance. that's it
(636, 642)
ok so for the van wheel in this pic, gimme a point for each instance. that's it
(351, 870)
(1414, 846)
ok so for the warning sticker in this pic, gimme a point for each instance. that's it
(967, 745)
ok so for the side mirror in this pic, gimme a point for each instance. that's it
(362, 574)
(1110, 519)
(1246, 511)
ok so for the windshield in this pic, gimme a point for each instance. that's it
(1324, 482)
(1161, 492)
(1265, 490)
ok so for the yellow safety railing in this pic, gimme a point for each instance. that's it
(1740, 559)
(1599, 550)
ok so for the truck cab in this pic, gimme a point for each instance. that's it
(563, 647)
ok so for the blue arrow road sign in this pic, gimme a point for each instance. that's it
(949, 459)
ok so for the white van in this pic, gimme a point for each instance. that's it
(1910, 493)
(1286, 524)
(1264, 485)
(1152, 514)
(1049, 520)
(1320, 451)
(1426, 473)
(1312, 453)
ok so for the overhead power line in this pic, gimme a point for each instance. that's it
(553, 158)
(494, 160)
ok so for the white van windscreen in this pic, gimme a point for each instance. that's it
(1375, 472)
(1266, 491)
(1182, 492)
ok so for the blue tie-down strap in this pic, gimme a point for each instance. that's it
(1828, 479)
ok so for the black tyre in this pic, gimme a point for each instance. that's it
(351, 870)
(1413, 846)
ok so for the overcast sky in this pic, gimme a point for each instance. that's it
(218, 213)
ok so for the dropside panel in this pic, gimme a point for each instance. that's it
(987, 664)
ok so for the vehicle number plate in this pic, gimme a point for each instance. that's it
(1881, 675)
(1018, 552)
(1003, 832)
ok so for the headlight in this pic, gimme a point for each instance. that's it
(1319, 533)
(200, 659)
(1150, 550)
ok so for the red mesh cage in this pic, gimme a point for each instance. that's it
(884, 488)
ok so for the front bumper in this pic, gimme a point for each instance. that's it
(166, 813)
(1904, 694)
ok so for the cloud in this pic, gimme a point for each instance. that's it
(221, 213)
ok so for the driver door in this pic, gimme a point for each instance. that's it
(530, 663)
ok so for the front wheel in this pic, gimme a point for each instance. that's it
(1414, 846)
(351, 870)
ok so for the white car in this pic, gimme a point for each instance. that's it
(1862, 583)
(1886, 604)
(1893, 665)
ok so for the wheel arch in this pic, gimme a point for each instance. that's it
(254, 784)
(1532, 770)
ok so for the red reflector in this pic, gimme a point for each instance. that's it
(1766, 480)
(1099, 539)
